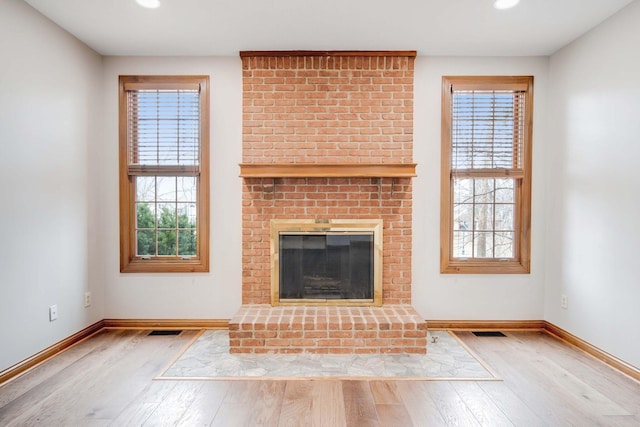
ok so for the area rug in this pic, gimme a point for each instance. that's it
(207, 358)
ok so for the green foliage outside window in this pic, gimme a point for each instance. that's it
(168, 235)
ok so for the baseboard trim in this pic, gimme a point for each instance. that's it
(486, 325)
(36, 359)
(592, 350)
(166, 323)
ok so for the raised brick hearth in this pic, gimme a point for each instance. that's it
(327, 330)
(327, 108)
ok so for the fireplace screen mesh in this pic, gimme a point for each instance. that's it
(326, 266)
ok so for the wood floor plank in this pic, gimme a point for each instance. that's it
(359, 405)
(251, 403)
(39, 374)
(240, 391)
(605, 379)
(530, 371)
(481, 405)
(420, 406)
(205, 406)
(232, 414)
(174, 405)
(621, 420)
(327, 407)
(393, 415)
(578, 392)
(313, 403)
(137, 397)
(511, 404)
(385, 392)
(536, 364)
(451, 406)
(137, 368)
(510, 366)
(266, 403)
(49, 396)
(141, 408)
(296, 404)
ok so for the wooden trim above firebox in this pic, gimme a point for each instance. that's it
(327, 170)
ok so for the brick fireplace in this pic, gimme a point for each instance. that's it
(327, 136)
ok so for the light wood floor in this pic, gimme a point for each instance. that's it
(107, 380)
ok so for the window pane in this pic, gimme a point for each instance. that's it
(167, 215)
(463, 217)
(504, 217)
(166, 188)
(146, 242)
(462, 244)
(187, 189)
(162, 221)
(504, 245)
(145, 215)
(483, 217)
(504, 190)
(484, 190)
(187, 215)
(187, 242)
(478, 216)
(145, 188)
(462, 190)
(483, 245)
(167, 242)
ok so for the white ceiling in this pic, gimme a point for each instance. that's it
(225, 27)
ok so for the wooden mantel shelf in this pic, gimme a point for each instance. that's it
(326, 170)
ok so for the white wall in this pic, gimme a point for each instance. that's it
(49, 109)
(463, 296)
(214, 295)
(218, 294)
(593, 176)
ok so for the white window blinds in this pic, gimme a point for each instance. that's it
(487, 130)
(163, 133)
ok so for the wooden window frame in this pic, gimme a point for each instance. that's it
(129, 262)
(520, 263)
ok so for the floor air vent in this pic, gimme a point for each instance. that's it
(489, 334)
(165, 332)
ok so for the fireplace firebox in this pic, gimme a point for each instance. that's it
(326, 266)
(326, 262)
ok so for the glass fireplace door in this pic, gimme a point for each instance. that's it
(326, 266)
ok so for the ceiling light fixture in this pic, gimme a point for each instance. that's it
(505, 4)
(149, 4)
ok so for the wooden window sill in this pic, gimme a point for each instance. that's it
(484, 267)
(173, 265)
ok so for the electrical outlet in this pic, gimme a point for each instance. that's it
(87, 299)
(53, 313)
(564, 301)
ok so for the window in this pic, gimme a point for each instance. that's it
(486, 174)
(164, 173)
